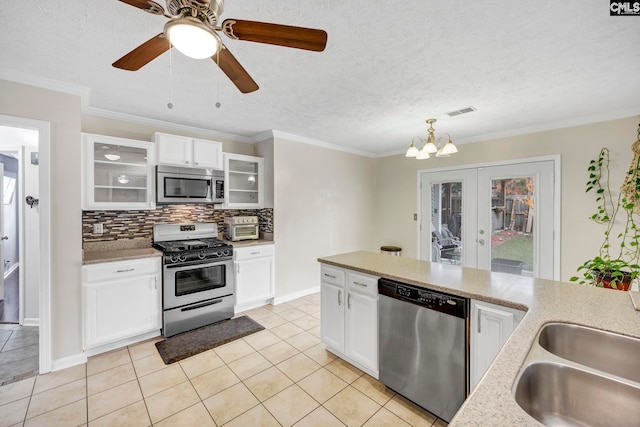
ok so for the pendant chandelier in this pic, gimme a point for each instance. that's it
(443, 147)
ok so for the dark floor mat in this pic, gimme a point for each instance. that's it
(202, 339)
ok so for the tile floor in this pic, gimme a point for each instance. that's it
(281, 376)
(18, 352)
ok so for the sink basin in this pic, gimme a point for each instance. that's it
(559, 395)
(606, 351)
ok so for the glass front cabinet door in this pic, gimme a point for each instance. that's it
(117, 173)
(244, 181)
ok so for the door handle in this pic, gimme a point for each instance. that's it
(479, 321)
(5, 238)
(481, 242)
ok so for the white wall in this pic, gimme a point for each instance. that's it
(580, 237)
(324, 203)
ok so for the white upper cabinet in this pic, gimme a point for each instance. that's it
(244, 181)
(188, 152)
(117, 173)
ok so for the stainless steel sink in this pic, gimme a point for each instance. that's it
(612, 353)
(580, 376)
(558, 395)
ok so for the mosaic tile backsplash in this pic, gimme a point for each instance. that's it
(135, 224)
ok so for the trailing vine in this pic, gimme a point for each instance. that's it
(618, 255)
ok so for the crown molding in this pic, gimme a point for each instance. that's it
(85, 95)
(579, 121)
(318, 143)
(206, 133)
(45, 83)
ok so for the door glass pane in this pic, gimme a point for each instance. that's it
(446, 222)
(512, 209)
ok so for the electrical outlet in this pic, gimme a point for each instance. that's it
(97, 229)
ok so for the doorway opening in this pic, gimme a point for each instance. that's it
(24, 248)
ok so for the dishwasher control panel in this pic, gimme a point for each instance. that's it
(438, 301)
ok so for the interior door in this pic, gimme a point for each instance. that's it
(516, 219)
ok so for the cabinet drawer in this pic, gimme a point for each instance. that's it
(258, 251)
(332, 275)
(120, 269)
(362, 283)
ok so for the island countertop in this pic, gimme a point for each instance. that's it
(492, 402)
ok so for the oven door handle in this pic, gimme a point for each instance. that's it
(190, 265)
(204, 304)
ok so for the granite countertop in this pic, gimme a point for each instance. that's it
(492, 402)
(117, 250)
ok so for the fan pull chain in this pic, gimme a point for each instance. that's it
(170, 104)
(218, 105)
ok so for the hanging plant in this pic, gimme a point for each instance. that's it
(617, 263)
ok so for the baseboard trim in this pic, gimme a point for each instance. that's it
(67, 362)
(296, 295)
(31, 321)
(121, 343)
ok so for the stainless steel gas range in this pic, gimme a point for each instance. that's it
(197, 276)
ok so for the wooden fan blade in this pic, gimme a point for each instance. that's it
(143, 54)
(281, 35)
(236, 72)
(148, 5)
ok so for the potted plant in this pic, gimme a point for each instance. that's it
(618, 261)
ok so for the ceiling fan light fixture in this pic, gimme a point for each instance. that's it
(192, 37)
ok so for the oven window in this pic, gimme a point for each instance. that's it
(186, 187)
(200, 279)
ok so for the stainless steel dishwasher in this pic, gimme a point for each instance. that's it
(423, 346)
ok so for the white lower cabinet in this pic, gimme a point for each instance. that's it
(491, 327)
(121, 300)
(349, 316)
(254, 276)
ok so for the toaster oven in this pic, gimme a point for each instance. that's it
(242, 228)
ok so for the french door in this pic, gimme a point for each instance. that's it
(499, 218)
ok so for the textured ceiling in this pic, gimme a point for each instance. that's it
(388, 66)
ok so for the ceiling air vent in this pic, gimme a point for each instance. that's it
(461, 111)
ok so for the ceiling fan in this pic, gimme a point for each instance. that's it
(193, 29)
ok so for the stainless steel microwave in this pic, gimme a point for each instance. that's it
(188, 185)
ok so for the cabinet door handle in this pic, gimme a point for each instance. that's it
(237, 268)
(125, 271)
(155, 283)
(349, 300)
(330, 276)
(255, 253)
(479, 321)
(339, 297)
(360, 284)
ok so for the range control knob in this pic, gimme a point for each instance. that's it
(182, 257)
(174, 258)
(226, 252)
(202, 254)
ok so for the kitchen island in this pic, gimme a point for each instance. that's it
(492, 402)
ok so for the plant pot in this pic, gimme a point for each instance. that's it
(613, 280)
